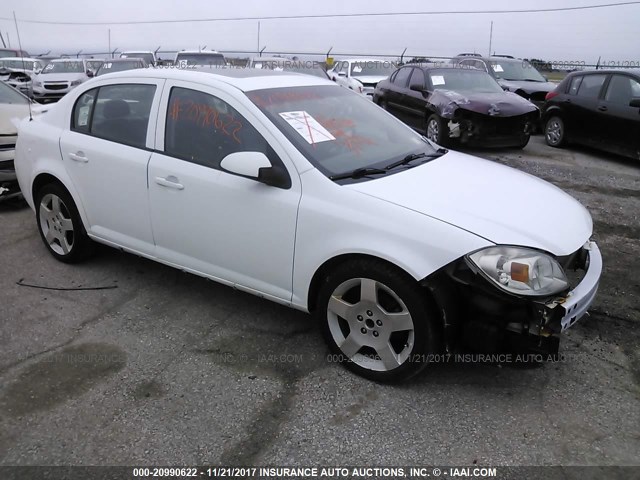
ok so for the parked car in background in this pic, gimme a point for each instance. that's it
(513, 74)
(120, 65)
(61, 76)
(361, 74)
(397, 246)
(10, 52)
(19, 72)
(14, 106)
(454, 104)
(280, 64)
(200, 58)
(599, 108)
(147, 55)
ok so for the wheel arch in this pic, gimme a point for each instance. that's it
(46, 177)
(331, 264)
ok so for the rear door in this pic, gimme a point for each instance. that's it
(212, 222)
(620, 123)
(585, 124)
(106, 151)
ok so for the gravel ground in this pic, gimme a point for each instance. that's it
(168, 368)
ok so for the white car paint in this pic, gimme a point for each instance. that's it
(52, 86)
(271, 241)
(343, 74)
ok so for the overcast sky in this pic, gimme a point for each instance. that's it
(612, 33)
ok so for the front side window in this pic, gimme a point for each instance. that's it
(622, 89)
(119, 113)
(203, 129)
(337, 130)
(591, 86)
(417, 78)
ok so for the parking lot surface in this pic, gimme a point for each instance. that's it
(168, 368)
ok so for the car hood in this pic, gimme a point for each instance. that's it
(528, 87)
(62, 77)
(10, 114)
(495, 202)
(367, 79)
(500, 104)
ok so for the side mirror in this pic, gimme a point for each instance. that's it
(546, 79)
(635, 102)
(256, 165)
(90, 73)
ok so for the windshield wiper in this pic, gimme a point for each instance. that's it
(415, 156)
(359, 173)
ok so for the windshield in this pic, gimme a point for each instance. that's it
(206, 59)
(374, 69)
(336, 130)
(517, 71)
(463, 80)
(64, 67)
(147, 57)
(110, 67)
(19, 64)
(10, 95)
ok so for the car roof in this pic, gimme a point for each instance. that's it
(244, 79)
(26, 59)
(428, 68)
(494, 58)
(60, 60)
(632, 71)
(199, 51)
(123, 59)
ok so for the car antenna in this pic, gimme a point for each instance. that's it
(24, 67)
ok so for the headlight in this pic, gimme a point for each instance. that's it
(521, 270)
(75, 83)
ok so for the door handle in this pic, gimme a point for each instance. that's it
(602, 108)
(170, 182)
(78, 157)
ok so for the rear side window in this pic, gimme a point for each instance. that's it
(203, 129)
(591, 86)
(119, 113)
(402, 76)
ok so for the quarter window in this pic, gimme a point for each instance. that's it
(591, 86)
(203, 129)
(82, 111)
(575, 85)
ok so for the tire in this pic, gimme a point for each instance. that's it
(554, 132)
(437, 130)
(383, 104)
(523, 143)
(353, 307)
(60, 225)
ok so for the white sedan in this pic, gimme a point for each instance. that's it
(361, 75)
(289, 187)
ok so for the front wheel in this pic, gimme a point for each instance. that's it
(377, 321)
(554, 132)
(437, 130)
(524, 142)
(60, 225)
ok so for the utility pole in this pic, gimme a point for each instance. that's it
(109, 49)
(258, 49)
(491, 38)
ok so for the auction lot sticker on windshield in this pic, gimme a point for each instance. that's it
(497, 68)
(437, 80)
(307, 127)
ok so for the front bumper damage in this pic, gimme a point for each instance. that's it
(474, 129)
(480, 316)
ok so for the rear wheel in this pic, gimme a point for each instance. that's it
(377, 320)
(437, 130)
(60, 225)
(554, 132)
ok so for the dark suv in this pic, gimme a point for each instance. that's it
(599, 108)
(513, 75)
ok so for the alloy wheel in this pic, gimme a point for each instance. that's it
(56, 224)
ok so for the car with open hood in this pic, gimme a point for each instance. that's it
(513, 74)
(19, 72)
(460, 105)
(292, 188)
(361, 74)
(62, 75)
